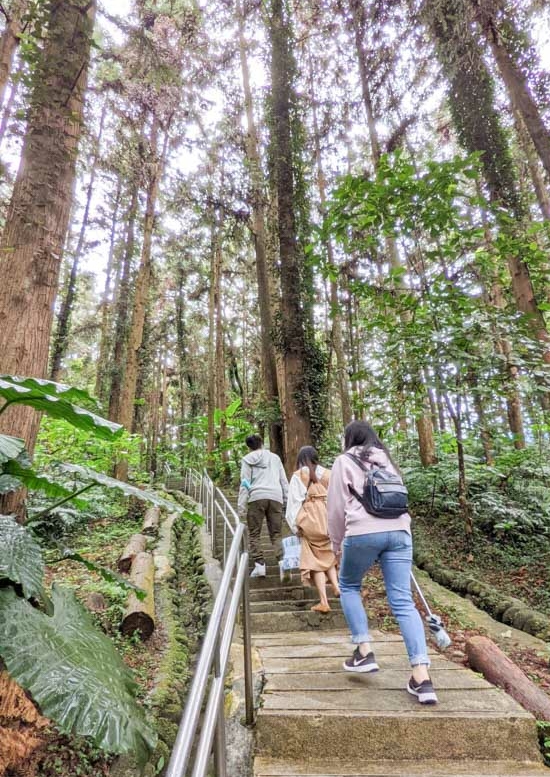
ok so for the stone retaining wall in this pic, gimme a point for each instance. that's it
(183, 603)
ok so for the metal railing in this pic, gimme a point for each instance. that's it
(209, 678)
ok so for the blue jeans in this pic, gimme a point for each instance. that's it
(394, 551)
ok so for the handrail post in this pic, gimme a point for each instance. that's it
(220, 752)
(247, 640)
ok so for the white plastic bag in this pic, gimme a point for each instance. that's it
(291, 550)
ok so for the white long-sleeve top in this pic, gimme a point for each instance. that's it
(297, 493)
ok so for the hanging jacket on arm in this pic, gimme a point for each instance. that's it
(262, 477)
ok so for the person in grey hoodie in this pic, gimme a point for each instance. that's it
(262, 493)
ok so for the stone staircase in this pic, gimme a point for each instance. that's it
(316, 720)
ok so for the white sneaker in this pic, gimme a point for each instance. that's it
(259, 570)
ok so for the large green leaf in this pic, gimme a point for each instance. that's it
(73, 672)
(57, 407)
(10, 447)
(20, 557)
(147, 496)
(43, 386)
(34, 482)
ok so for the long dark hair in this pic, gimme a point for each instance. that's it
(361, 433)
(308, 457)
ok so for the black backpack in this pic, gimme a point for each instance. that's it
(384, 494)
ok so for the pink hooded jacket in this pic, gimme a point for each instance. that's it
(346, 515)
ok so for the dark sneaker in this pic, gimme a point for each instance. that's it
(359, 663)
(423, 691)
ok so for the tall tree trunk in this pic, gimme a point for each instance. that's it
(9, 40)
(423, 421)
(537, 177)
(221, 393)
(105, 307)
(142, 288)
(257, 183)
(213, 296)
(295, 407)
(36, 226)
(515, 80)
(335, 314)
(466, 509)
(479, 129)
(61, 337)
(122, 308)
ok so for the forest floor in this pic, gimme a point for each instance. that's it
(535, 666)
(101, 542)
(519, 569)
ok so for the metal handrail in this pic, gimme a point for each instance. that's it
(213, 659)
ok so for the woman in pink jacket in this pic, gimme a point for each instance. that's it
(362, 539)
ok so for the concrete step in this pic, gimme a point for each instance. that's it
(313, 710)
(292, 592)
(273, 580)
(290, 605)
(274, 622)
(266, 767)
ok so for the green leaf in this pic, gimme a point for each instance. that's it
(73, 673)
(20, 557)
(233, 408)
(49, 387)
(127, 489)
(34, 482)
(59, 408)
(10, 447)
(107, 574)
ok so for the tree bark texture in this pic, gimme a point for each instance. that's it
(143, 281)
(423, 421)
(122, 308)
(221, 387)
(32, 241)
(105, 308)
(486, 657)
(61, 338)
(514, 78)
(140, 615)
(136, 544)
(479, 129)
(151, 521)
(296, 415)
(533, 163)
(213, 296)
(9, 40)
(257, 184)
(336, 338)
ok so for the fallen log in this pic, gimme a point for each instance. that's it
(151, 521)
(136, 544)
(140, 615)
(486, 657)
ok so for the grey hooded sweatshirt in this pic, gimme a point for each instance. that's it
(262, 477)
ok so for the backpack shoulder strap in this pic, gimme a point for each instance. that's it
(358, 461)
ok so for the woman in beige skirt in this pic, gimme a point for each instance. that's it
(306, 514)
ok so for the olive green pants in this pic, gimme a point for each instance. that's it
(273, 513)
